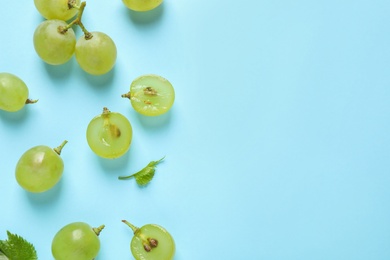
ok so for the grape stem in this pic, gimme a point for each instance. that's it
(77, 21)
(59, 148)
(127, 95)
(31, 101)
(98, 229)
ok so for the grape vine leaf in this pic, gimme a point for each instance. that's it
(16, 248)
(144, 176)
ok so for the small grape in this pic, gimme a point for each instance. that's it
(54, 45)
(96, 53)
(109, 134)
(142, 5)
(151, 95)
(76, 241)
(151, 242)
(40, 168)
(57, 9)
(13, 93)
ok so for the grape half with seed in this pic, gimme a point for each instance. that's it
(151, 95)
(151, 242)
(109, 134)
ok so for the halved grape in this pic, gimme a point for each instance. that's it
(142, 5)
(76, 241)
(151, 95)
(109, 134)
(13, 93)
(54, 45)
(96, 55)
(57, 9)
(151, 242)
(40, 168)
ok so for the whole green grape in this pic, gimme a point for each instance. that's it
(109, 134)
(142, 5)
(151, 242)
(57, 9)
(151, 95)
(76, 241)
(40, 168)
(53, 44)
(13, 93)
(96, 53)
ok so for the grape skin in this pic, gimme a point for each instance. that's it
(13, 92)
(109, 135)
(96, 55)
(166, 245)
(155, 102)
(55, 9)
(142, 5)
(39, 169)
(75, 241)
(53, 47)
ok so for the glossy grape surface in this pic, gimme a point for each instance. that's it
(142, 5)
(166, 245)
(39, 169)
(52, 46)
(109, 135)
(13, 92)
(97, 55)
(151, 95)
(75, 241)
(55, 9)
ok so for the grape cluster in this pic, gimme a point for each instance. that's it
(109, 134)
(55, 41)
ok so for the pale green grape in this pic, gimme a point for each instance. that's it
(13, 92)
(142, 5)
(76, 241)
(40, 168)
(151, 242)
(109, 135)
(151, 95)
(56, 9)
(96, 55)
(51, 44)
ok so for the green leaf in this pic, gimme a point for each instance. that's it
(144, 176)
(16, 248)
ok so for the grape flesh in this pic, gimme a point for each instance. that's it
(39, 169)
(142, 5)
(13, 92)
(109, 135)
(96, 55)
(151, 95)
(164, 250)
(53, 46)
(75, 241)
(56, 9)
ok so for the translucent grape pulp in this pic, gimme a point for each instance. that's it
(109, 135)
(13, 92)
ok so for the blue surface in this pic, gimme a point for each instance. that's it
(277, 146)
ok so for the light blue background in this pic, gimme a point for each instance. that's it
(277, 146)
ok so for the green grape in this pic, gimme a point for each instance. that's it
(96, 53)
(13, 93)
(151, 242)
(40, 168)
(142, 5)
(57, 9)
(76, 241)
(109, 134)
(53, 44)
(151, 95)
